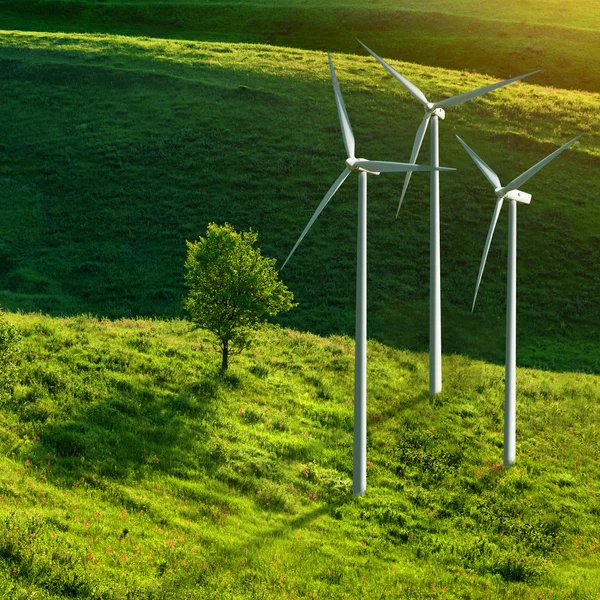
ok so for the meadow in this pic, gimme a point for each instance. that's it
(495, 37)
(115, 150)
(130, 467)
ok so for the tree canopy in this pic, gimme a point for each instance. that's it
(232, 287)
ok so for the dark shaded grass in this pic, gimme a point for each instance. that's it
(108, 168)
(502, 42)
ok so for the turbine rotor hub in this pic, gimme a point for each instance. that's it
(351, 164)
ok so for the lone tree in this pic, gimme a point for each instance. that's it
(233, 288)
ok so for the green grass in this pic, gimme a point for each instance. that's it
(131, 469)
(581, 15)
(495, 37)
(115, 150)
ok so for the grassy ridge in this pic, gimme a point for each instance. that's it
(497, 38)
(542, 12)
(116, 150)
(130, 468)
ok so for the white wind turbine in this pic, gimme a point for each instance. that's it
(433, 111)
(362, 167)
(513, 195)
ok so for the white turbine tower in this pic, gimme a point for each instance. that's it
(362, 167)
(513, 195)
(433, 111)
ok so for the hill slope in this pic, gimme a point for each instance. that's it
(497, 37)
(116, 150)
(130, 468)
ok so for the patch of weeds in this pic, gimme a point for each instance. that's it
(205, 389)
(142, 341)
(259, 371)
(428, 457)
(219, 449)
(515, 566)
(275, 497)
(10, 353)
(251, 415)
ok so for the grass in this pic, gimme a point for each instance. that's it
(119, 149)
(495, 37)
(131, 468)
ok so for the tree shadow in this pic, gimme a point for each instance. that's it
(131, 432)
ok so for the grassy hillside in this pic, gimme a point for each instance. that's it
(576, 14)
(495, 37)
(130, 469)
(115, 150)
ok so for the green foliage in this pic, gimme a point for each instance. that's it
(232, 287)
(10, 338)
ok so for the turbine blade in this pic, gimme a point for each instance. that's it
(483, 167)
(381, 166)
(332, 190)
(414, 154)
(410, 87)
(344, 120)
(449, 102)
(488, 241)
(521, 179)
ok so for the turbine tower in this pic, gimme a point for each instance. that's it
(433, 112)
(362, 167)
(513, 195)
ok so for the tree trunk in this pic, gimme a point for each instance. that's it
(225, 361)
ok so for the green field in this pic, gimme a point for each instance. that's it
(130, 468)
(495, 37)
(119, 149)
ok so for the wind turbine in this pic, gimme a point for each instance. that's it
(433, 112)
(513, 195)
(361, 166)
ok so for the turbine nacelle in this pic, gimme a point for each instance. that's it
(440, 113)
(518, 196)
(433, 109)
(353, 165)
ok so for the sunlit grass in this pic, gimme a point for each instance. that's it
(131, 467)
(494, 37)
